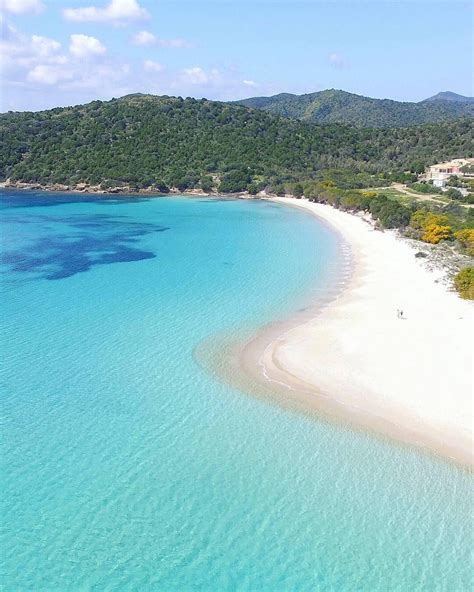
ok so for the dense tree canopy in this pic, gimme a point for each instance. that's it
(164, 141)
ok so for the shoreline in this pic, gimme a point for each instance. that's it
(352, 359)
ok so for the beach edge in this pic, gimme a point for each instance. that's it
(276, 355)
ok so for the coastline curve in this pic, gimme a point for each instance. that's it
(343, 359)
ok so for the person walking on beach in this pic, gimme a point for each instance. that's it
(401, 314)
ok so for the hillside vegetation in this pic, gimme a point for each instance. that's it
(337, 106)
(165, 141)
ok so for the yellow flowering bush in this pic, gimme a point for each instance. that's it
(434, 233)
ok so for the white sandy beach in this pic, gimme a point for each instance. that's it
(411, 378)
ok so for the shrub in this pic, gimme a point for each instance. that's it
(377, 204)
(355, 201)
(454, 193)
(434, 233)
(278, 189)
(464, 283)
(390, 213)
(418, 219)
(466, 238)
(440, 219)
(454, 181)
(394, 215)
(424, 188)
(422, 220)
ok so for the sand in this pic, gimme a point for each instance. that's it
(409, 378)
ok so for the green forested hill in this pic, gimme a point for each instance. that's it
(337, 106)
(154, 141)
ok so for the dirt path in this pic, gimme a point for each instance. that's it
(420, 196)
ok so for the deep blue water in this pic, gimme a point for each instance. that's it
(127, 466)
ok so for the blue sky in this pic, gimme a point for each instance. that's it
(57, 52)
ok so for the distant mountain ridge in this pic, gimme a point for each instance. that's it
(447, 95)
(338, 106)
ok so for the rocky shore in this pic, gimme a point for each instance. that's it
(88, 188)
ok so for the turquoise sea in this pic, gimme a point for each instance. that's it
(128, 466)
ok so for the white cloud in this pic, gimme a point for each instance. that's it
(151, 66)
(41, 61)
(147, 38)
(117, 11)
(38, 54)
(44, 46)
(197, 75)
(144, 38)
(83, 46)
(48, 74)
(249, 83)
(338, 61)
(21, 6)
(22, 51)
(39, 72)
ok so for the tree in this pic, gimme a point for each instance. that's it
(279, 190)
(162, 187)
(235, 181)
(252, 188)
(207, 184)
(298, 190)
(417, 167)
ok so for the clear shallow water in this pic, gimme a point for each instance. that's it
(125, 466)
